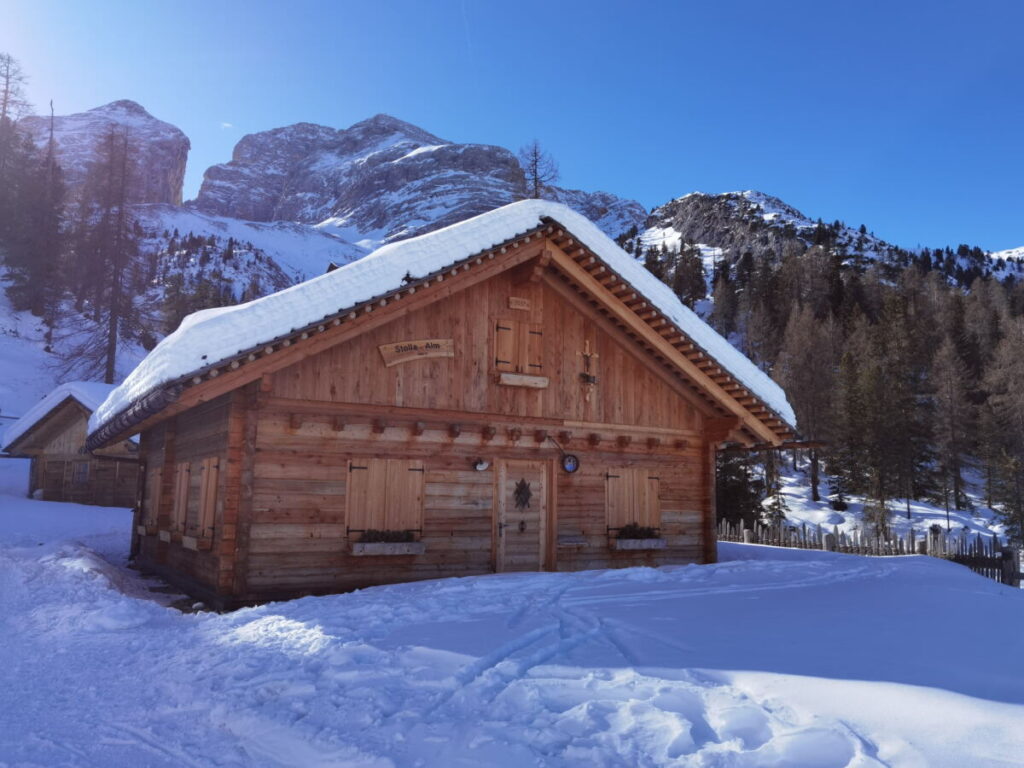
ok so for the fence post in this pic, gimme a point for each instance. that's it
(748, 536)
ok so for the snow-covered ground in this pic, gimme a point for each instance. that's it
(770, 658)
(796, 492)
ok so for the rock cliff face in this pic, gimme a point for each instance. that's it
(380, 180)
(157, 149)
(741, 222)
(614, 215)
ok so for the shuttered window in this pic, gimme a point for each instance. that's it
(179, 512)
(385, 495)
(80, 473)
(519, 347)
(154, 480)
(631, 496)
(210, 474)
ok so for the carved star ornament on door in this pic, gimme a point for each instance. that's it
(522, 494)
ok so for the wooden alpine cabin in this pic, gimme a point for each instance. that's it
(52, 434)
(510, 393)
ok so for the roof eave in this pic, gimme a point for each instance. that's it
(122, 424)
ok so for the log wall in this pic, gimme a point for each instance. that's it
(179, 553)
(286, 443)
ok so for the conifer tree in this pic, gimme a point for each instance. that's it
(1006, 401)
(806, 369)
(953, 420)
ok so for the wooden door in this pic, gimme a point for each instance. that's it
(522, 515)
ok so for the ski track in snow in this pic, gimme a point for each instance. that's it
(605, 668)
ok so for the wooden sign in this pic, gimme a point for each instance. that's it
(403, 351)
(517, 302)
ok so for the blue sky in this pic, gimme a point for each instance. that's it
(905, 116)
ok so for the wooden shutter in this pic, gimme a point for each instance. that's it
(505, 343)
(154, 485)
(618, 503)
(208, 495)
(632, 496)
(404, 502)
(180, 510)
(533, 362)
(367, 486)
(648, 488)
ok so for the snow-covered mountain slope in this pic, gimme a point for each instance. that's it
(378, 181)
(299, 250)
(158, 150)
(612, 214)
(769, 658)
(1011, 253)
(756, 223)
(746, 221)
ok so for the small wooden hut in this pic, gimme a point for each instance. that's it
(513, 392)
(52, 434)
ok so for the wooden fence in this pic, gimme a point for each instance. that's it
(983, 555)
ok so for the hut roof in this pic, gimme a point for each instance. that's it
(214, 337)
(89, 394)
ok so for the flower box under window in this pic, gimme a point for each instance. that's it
(637, 544)
(372, 548)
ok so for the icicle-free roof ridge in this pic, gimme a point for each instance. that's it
(210, 336)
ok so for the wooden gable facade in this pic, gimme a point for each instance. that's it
(63, 470)
(428, 433)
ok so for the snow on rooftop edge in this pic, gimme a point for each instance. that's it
(90, 394)
(210, 336)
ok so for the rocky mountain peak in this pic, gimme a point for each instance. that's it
(123, 106)
(379, 180)
(384, 125)
(158, 150)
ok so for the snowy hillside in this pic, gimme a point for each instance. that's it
(30, 371)
(301, 251)
(802, 510)
(773, 657)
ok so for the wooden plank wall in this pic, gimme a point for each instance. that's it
(629, 392)
(110, 483)
(297, 526)
(190, 437)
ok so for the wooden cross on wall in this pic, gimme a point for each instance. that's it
(589, 374)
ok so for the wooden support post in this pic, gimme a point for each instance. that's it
(565, 436)
(418, 428)
(594, 439)
(379, 425)
(653, 442)
(623, 441)
(514, 434)
(540, 435)
(488, 433)
(454, 430)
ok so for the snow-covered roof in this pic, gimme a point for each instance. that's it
(214, 335)
(90, 394)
